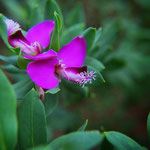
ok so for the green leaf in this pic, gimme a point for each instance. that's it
(121, 141)
(41, 148)
(32, 4)
(99, 77)
(15, 9)
(53, 91)
(55, 43)
(60, 119)
(23, 87)
(58, 21)
(70, 89)
(32, 122)
(11, 69)
(36, 11)
(51, 7)
(148, 126)
(21, 61)
(91, 61)
(77, 141)
(53, 12)
(36, 16)
(10, 59)
(98, 35)
(8, 119)
(15, 50)
(89, 35)
(74, 87)
(105, 43)
(96, 46)
(82, 128)
(71, 32)
(50, 102)
(76, 15)
(3, 30)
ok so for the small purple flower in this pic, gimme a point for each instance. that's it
(36, 39)
(47, 68)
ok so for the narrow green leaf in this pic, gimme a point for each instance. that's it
(23, 87)
(60, 119)
(53, 12)
(77, 141)
(89, 35)
(69, 33)
(50, 103)
(148, 126)
(36, 15)
(33, 3)
(55, 43)
(98, 35)
(121, 141)
(83, 127)
(15, 50)
(11, 69)
(59, 21)
(41, 148)
(32, 122)
(95, 46)
(3, 30)
(94, 63)
(36, 11)
(105, 43)
(51, 7)
(8, 119)
(10, 59)
(53, 91)
(21, 61)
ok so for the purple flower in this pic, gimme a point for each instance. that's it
(47, 68)
(36, 39)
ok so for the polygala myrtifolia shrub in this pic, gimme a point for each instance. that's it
(40, 69)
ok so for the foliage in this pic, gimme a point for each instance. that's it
(118, 49)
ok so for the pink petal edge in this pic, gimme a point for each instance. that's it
(73, 54)
(42, 72)
(73, 73)
(41, 33)
(46, 55)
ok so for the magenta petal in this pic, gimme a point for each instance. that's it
(73, 73)
(41, 33)
(73, 54)
(17, 39)
(46, 55)
(42, 72)
(79, 75)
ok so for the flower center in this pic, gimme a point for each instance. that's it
(86, 77)
(78, 75)
(36, 48)
(59, 69)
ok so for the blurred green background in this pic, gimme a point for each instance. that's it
(122, 103)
